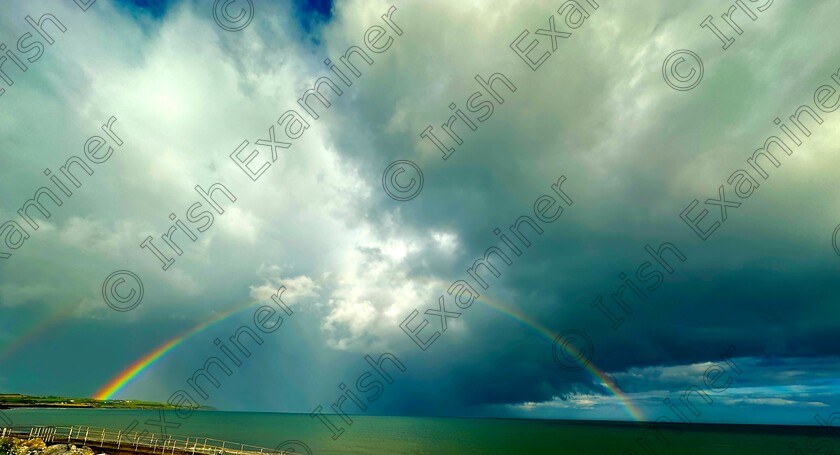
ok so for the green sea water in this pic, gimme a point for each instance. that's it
(431, 435)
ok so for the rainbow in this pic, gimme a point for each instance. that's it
(598, 374)
(34, 332)
(131, 372)
(138, 367)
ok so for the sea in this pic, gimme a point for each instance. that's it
(438, 435)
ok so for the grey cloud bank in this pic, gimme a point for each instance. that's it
(380, 81)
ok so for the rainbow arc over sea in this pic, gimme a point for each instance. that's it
(131, 372)
(598, 374)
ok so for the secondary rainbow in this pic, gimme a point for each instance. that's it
(60, 315)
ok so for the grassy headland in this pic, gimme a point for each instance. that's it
(13, 400)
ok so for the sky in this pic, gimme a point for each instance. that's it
(750, 306)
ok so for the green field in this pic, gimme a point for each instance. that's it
(16, 400)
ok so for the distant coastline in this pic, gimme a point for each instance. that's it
(14, 400)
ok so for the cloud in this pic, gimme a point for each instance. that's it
(356, 263)
(773, 402)
(296, 288)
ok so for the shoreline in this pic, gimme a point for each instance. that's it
(71, 406)
(17, 401)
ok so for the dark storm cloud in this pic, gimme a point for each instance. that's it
(635, 154)
(765, 291)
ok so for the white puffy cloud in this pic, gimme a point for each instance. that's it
(187, 93)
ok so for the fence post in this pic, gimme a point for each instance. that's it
(87, 430)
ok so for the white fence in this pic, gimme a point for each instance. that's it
(145, 442)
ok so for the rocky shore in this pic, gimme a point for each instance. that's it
(16, 446)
